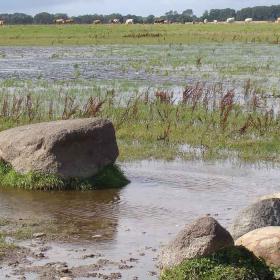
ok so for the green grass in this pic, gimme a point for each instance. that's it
(156, 128)
(110, 176)
(48, 35)
(231, 264)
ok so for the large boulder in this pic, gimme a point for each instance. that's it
(264, 243)
(264, 213)
(68, 148)
(202, 238)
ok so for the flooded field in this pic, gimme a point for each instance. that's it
(129, 68)
(118, 233)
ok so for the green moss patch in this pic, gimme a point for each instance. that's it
(235, 263)
(111, 176)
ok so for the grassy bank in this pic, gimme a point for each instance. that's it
(201, 122)
(111, 177)
(31, 35)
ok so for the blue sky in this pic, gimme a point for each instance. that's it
(139, 7)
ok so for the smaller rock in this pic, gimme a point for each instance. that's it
(202, 238)
(39, 235)
(264, 213)
(264, 243)
(97, 236)
(269, 196)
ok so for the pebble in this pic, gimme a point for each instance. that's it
(39, 235)
(97, 236)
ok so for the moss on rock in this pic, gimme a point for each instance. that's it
(235, 263)
(111, 176)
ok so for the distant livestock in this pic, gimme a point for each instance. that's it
(64, 21)
(215, 21)
(129, 21)
(115, 21)
(278, 20)
(68, 21)
(205, 21)
(248, 20)
(97, 21)
(59, 21)
(2, 22)
(159, 21)
(230, 20)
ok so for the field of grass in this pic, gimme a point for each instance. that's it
(48, 35)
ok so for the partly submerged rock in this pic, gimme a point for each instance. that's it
(264, 213)
(264, 243)
(77, 148)
(202, 238)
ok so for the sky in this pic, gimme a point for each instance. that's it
(138, 7)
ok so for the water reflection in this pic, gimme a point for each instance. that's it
(136, 220)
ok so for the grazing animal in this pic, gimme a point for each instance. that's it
(159, 21)
(230, 20)
(98, 21)
(278, 20)
(2, 22)
(68, 21)
(115, 21)
(215, 21)
(205, 21)
(129, 21)
(59, 21)
(248, 20)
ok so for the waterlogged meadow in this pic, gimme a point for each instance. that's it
(172, 101)
(211, 94)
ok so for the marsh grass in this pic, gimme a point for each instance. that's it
(110, 177)
(156, 124)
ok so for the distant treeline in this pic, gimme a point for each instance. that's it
(257, 13)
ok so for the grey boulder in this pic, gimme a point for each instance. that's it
(69, 148)
(261, 214)
(202, 238)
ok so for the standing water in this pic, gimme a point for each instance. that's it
(119, 232)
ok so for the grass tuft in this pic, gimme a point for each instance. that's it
(110, 176)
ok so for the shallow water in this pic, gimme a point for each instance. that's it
(171, 65)
(135, 221)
